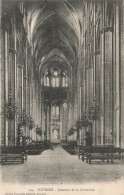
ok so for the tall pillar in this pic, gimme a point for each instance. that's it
(117, 78)
(42, 118)
(18, 100)
(11, 89)
(61, 121)
(22, 97)
(97, 80)
(107, 69)
(0, 79)
(64, 121)
(108, 87)
(48, 127)
(122, 71)
(26, 85)
(102, 100)
(6, 84)
(51, 117)
(15, 81)
(80, 130)
(97, 64)
(93, 94)
(30, 108)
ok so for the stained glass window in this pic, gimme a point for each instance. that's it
(55, 112)
(55, 81)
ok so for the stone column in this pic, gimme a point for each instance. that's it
(67, 119)
(108, 87)
(121, 11)
(97, 80)
(117, 78)
(18, 100)
(61, 121)
(6, 83)
(51, 117)
(15, 80)
(64, 121)
(26, 86)
(102, 90)
(42, 117)
(80, 107)
(48, 127)
(11, 89)
(93, 79)
(30, 91)
(92, 95)
(0, 79)
(28, 104)
(107, 83)
(22, 77)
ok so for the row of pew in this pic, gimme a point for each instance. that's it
(105, 153)
(13, 155)
(18, 154)
(89, 154)
(70, 147)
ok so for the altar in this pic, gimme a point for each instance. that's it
(56, 132)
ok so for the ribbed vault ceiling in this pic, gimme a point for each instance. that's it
(54, 31)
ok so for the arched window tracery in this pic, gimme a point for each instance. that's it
(64, 79)
(55, 78)
(55, 112)
(47, 76)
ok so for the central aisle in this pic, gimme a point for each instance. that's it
(58, 167)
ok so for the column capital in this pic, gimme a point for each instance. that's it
(13, 50)
(20, 66)
(25, 77)
(97, 52)
(106, 29)
(89, 66)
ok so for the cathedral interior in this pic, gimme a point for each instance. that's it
(61, 80)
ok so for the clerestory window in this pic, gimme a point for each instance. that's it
(55, 80)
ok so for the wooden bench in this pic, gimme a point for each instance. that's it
(70, 148)
(80, 151)
(13, 154)
(12, 159)
(47, 145)
(35, 149)
(102, 153)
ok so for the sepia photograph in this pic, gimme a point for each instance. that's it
(61, 97)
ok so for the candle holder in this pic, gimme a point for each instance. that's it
(71, 131)
(9, 110)
(78, 124)
(31, 124)
(38, 130)
(84, 120)
(23, 118)
(94, 111)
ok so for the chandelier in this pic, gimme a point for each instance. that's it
(94, 111)
(23, 118)
(10, 110)
(71, 131)
(30, 123)
(38, 130)
(78, 124)
(84, 120)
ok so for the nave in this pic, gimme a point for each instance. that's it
(61, 82)
(59, 167)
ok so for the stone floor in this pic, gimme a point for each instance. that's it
(58, 167)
